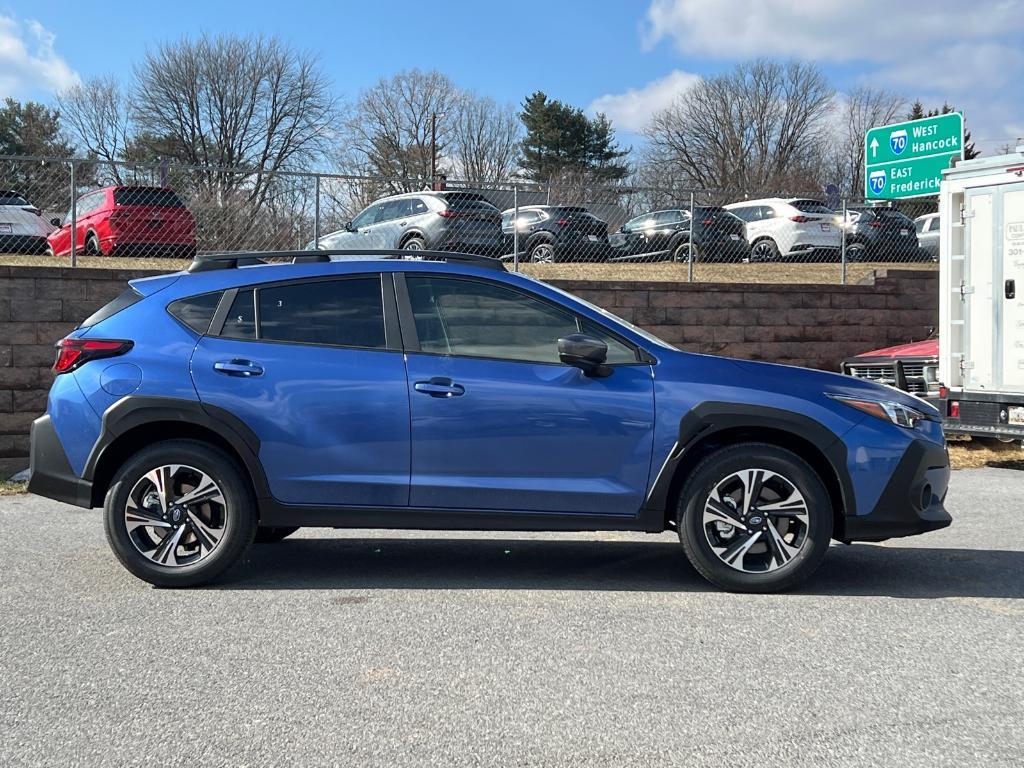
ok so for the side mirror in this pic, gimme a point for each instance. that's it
(55, 221)
(586, 353)
(349, 227)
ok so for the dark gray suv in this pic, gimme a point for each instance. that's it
(446, 221)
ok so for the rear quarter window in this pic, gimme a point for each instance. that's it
(196, 312)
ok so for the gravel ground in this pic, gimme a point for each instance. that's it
(406, 648)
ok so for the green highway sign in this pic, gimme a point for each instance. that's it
(906, 159)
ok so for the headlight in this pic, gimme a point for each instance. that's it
(887, 410)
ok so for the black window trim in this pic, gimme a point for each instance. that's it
(392, 327)
(412, 341)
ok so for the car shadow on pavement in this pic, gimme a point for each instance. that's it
(657, 566)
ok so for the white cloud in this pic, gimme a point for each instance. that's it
(969, 55)
(834, 30)
(632, 110)
(28, 60)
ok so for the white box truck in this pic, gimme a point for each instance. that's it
(981, 299)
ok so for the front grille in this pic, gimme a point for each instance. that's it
(883, 374)
(913, 374)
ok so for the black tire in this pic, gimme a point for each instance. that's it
(717, 468)
(92, 245)
(414, 243)
(272, 535)
(239, 513)
(856, 252)
(542, 252)
(764, 250)
(681, 252)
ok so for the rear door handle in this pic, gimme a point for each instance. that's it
(1010, 289)
(238, 368)
(439, 387)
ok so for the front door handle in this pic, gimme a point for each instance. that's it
(439, 387)
(1010, 289)
(238, 368)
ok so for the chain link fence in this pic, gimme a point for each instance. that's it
(85, 211)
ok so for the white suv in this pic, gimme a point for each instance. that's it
(789, 228)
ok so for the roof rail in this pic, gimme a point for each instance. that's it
(208, 262)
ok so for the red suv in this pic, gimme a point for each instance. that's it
(120, 221)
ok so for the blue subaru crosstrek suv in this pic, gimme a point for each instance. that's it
(238, 401)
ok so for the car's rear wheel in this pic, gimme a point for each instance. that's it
(856, 252)
(764, 250)
(273, 534)
(754, 517)
(681, 252)
(179, 513)
(92, 246)
(414, 243)
(542, 252)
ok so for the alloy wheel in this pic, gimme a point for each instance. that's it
(543, 253)
(763, 251)
(755, 520)
(175, 515)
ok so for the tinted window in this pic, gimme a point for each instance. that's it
(241, 319)
(640, 223)
(196, 311)
(123, 301)
(12, 198)
(892, 216)
(343, 313)
(477, 319)
(417, 206)
(167, 198)
(668, 218)
(467, 201)
(747, 212)
(811, 206)
(393, 209)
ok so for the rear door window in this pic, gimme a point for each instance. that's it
(341, 313)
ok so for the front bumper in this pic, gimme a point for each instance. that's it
(50, 472)
(912, 501)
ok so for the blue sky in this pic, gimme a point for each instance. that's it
(625, 57)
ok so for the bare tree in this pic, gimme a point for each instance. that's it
(759, 127)
(230, 101)
(97, 113)
(861, 109)
(390, 130)
(486, 140)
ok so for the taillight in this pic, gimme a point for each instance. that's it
(706, 222)
(73, 353)
(954, 409)
(801, 219)
(563, 222)
(875, 224)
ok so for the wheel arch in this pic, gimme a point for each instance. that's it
(409, 235)
(711, 426)
(135, 422)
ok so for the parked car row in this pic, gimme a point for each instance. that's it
(154, 221)
(770, 229)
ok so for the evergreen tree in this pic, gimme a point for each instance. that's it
(917, 112)
(33, 129)
(561, 140)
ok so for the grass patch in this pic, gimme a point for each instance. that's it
(972, 454)
(781, 274)
(10, 488)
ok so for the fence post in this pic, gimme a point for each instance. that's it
(316, 214)
(515, 227)
(689, 260)
(842, 245)
(74, 219)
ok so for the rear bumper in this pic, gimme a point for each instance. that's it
(982, 414)
(34, 244)
(50, 472)
(912, 501)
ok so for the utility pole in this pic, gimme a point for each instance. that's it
(433, 148)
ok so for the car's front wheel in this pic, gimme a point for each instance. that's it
(754, 517)
(179, 513)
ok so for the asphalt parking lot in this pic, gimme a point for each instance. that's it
(402, 648)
